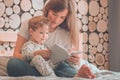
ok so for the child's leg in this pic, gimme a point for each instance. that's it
(42, 66)
(85, 72)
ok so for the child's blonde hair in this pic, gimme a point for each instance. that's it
(38, 21)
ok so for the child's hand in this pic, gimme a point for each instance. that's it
(44, 53)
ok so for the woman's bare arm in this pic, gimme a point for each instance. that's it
(75, 59)
(19, 43)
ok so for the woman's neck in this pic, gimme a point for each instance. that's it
(52, 29)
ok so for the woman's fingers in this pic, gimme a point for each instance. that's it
(74, 60)
(76, 55)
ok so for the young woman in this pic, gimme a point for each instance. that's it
(64, 31)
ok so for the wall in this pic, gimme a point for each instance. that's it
(114, 32)
(92, 15)
(95, 31)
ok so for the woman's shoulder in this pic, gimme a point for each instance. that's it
(23, 31)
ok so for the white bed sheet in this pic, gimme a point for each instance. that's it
(106, 75)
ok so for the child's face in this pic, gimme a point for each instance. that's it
(40, 35)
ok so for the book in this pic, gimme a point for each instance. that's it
(59, 54)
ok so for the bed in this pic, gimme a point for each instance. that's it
(106, 75)
(103, 75)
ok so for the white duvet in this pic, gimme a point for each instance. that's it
(105, 75)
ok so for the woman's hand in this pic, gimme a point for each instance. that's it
(75, 58)
(44, 53)
(19, 43)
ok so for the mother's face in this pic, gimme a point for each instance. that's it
(56, 18)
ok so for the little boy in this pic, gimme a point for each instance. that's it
(38, 30)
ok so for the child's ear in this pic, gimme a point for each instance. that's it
(30, 30)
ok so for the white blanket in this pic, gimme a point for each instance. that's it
(106, 75)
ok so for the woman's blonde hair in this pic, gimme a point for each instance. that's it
(70, 23)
